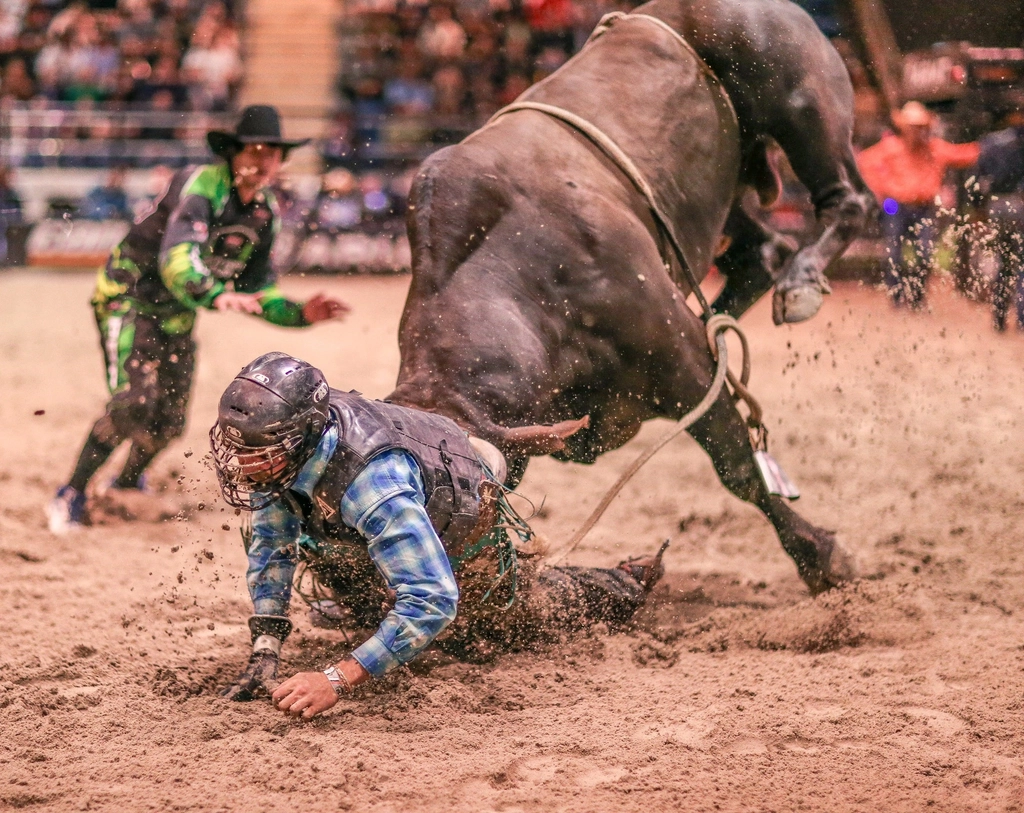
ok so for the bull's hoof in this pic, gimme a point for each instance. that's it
(836, 565)
(796, 304)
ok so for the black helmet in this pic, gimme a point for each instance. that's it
(269, 422)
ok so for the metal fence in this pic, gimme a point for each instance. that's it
(53, 134)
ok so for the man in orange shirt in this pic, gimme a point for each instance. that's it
(905, 172)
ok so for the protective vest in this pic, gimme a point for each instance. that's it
(451, 471)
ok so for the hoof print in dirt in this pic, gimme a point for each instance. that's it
(654, 654)
(177, 683)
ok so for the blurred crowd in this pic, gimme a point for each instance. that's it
(908, 171)
(412, 64)
(166, 55)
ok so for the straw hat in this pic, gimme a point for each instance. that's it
(339, 181)
(914, 114)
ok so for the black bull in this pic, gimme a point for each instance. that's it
(539, 293)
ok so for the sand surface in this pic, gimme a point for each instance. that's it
(735, 690)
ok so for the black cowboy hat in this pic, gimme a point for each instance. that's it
(259, 124)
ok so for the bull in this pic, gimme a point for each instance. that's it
(542, 287)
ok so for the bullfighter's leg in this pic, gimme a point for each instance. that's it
(170, 395)
(820, 560)
(750, 265)
(132, 362)
(815, 135)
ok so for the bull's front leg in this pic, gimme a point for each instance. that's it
(820, 559)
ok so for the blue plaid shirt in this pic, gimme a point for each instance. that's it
(385, 504)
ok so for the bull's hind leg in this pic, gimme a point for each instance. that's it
(820, 560)
(751, 263)
(815, 135)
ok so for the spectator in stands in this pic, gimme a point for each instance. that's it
(33, 33)
(109, 201)
(164, 78)
(551, 22)
(549, 60)
(213, 72)
(449, 90)
(17, 84)
(1001, 185)
(516, 47)
(339, 205)
(408, 94)
(122, 51)
(906, 172)
(481, 57)
(378, 206)
(53, 65)
(10, 208)
(441, 37)
(515, 84)
(91, 55)
(137, 20)
(85, 85)
(10, 25)
(211, 20)
(483, 95)
(336, 146)
(368, 107)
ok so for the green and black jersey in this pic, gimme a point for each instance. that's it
(197, 241)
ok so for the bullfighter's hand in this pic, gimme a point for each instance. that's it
(240, 303)
(305, 695)
(320, 308)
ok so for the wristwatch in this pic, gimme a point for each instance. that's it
(338, 680)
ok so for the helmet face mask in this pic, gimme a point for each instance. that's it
(270, 421)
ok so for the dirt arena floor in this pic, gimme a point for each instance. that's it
(735, 691)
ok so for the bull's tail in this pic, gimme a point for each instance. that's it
(540, 439)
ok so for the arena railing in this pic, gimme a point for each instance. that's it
(395, 137)
(55, 134)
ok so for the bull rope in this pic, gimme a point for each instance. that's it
(716, 325)
(618, 156)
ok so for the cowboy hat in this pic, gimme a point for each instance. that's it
(913, 114)
(259, 124)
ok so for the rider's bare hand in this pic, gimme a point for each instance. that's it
(305, 695)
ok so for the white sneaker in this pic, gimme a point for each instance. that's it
(66, 511)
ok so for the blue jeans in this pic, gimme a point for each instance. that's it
(906, 281)
(1008, 286)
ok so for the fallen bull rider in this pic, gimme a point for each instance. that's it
(401, 519)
